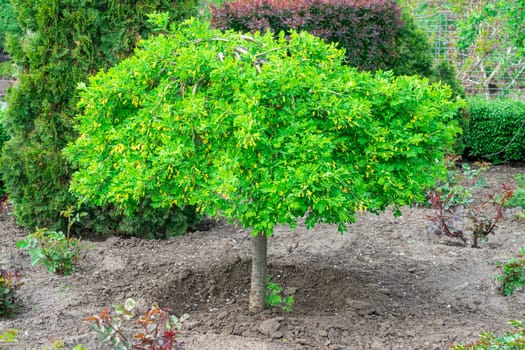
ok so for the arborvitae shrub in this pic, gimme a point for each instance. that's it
(66, 41)
(496, 130)
(374, 33)
(412, 53)
(149, 222)
(8, 23)
(444, 72)
(3, 138)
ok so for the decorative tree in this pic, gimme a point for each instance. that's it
(258, 130)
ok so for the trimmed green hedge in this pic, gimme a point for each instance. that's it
(496, 130)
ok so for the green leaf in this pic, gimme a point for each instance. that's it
(23, 244)
(129, 304)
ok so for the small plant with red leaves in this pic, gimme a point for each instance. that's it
(456, 213)
(158, 329)
(9, 283)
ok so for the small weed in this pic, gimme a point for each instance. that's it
(520, 216)
(159, 328)
(58, 344)
(64, 289)
(513, 273)
(58, 252)
(54, 250)
(457, 216)
(8, 336)
(513, 340)
(275, 299)
(9, 283)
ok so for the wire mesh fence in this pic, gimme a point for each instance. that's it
(485, 67)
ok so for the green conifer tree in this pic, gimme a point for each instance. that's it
(65, 41)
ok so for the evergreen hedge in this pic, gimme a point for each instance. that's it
(496, 130)
(8, 23)
(66, 41)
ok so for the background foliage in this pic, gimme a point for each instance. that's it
(375, 34)
(7, 70)
(66, 41)
(496, 130)
(483, 39)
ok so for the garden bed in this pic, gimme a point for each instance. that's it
(385, 284)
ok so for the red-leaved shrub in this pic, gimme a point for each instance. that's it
(367, 29)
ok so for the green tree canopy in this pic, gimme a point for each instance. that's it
(258, 130)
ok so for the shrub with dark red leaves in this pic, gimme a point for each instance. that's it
(9, 283)
(369, 30)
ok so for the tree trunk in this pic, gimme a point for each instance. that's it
(258, 285)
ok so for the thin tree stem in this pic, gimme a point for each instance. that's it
(259, 265)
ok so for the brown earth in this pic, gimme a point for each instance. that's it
(4, 85)
(385, 284)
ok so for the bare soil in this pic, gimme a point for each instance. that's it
(385, 284)
(4, 85)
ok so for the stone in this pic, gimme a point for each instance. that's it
(338, 347)
(361, 307)
(303, 341)
(377, 345)
(192, 324)
(333, 334)
(222, 315)
(270, 328)
(290, 291)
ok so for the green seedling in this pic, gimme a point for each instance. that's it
(58, 252)
(512, 273)
(275, 299)
(513, 340)
(8, 336)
